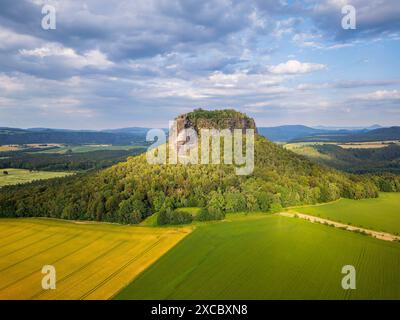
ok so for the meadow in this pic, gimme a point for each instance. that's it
(16, 176)
(6, 148)
(92, 260)
(381, 214)
(19, 147)
(270, 257)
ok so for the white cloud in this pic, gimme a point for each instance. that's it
(93, 58)
(296, 67)
(213, 86)
(10, 39)
(381, 95)
(10, 84)
(51, 49)
(283, 27)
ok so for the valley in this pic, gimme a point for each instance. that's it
(356, 157)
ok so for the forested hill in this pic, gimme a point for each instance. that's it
(380, 134)
(130, 191)
(31, 136)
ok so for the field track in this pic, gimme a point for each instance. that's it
(92, 261)
(375, 234)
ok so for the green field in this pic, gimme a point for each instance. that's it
(381, 214)
(16, 176)
(92, 260)
(270, 258)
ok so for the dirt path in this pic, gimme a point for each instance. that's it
(375, 234)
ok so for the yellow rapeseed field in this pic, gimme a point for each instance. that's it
(92, 260)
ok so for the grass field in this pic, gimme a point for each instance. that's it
(381, 214)
(16, 176)
(18, 147)
(92, 261)
(307, 149)
(270, 258)
(6, 148)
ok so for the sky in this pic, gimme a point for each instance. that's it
(113, 64)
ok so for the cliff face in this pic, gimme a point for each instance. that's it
(217, 119)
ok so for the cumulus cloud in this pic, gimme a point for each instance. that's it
(296, 67)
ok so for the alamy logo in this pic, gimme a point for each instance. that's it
(185, 146)
(349, 19)
(349, 280)
(49, 20)
(49, 280)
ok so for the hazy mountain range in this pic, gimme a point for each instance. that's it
(133, 135)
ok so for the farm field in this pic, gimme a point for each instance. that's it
(270, 257)
(92, 260)
(16, 176)
(345, 145)
(381, 214)
(6, 148)
(21, 147)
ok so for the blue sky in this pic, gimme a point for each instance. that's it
(140, 63)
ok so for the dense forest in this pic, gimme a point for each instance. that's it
(358, 160)
(69, 161)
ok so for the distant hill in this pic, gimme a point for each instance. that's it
(131, 135)
(130, 130)
(299, 132)
(375, 126)
(44, 135)
(392, 133)
(288, 132)
(381, 134)
(355, 160)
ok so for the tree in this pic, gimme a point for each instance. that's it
(216, 206)
(234, 202)
(164, 216)
(264, 200)
(131, 210)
